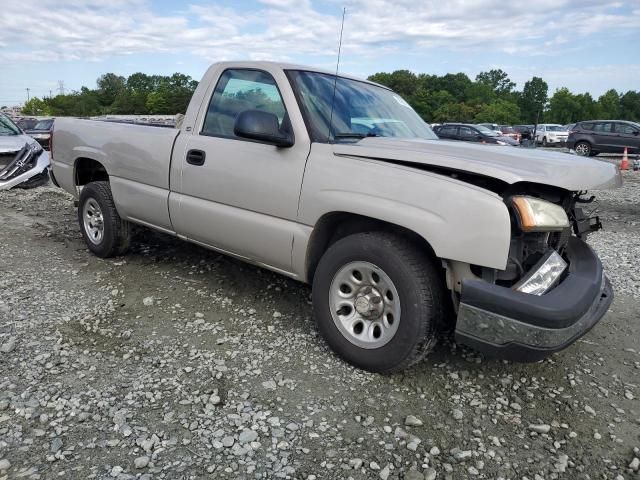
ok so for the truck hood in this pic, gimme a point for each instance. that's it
(14, 143)
(509, 164)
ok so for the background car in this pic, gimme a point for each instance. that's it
(551, 134)
(492, 126)
(604, 136)
(525, 131)
(41, 132)
(509, 131)
(26, 123)
(472, 133)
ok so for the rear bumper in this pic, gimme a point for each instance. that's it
(504, 323)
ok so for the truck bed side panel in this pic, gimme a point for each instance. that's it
(137, 159)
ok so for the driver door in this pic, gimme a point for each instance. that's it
(234, 194)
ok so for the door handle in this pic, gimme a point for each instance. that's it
(196, 157)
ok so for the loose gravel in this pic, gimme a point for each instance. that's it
(174, 362)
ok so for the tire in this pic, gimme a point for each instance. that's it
(583, 149)
(104, 232)
(544, 141)
(411, 288)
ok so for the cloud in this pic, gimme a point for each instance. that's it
(40, 30)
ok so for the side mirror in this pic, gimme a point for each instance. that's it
(262, 127)
(636, 132)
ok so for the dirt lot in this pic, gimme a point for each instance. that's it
(175, 362)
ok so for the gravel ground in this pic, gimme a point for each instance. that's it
(175, 362)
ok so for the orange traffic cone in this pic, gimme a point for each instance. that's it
(624, 164)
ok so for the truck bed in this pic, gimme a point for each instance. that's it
(137, 159)
(138, 153)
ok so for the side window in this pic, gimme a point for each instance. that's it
(586, 126)
(236, 92)
(447, 131)
(467, 132)
(603, 127)
(624, 129)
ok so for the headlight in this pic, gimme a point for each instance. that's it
(536, 215)
(35, 148)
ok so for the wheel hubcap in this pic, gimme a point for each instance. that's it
(93, 221)
(364, 304)
(582, 149)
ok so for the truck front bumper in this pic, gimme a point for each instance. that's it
(508, 324)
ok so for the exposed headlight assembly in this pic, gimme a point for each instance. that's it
(536, 215)
(543, 276)
(35, 148)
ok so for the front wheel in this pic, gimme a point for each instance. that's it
(583, 149)
(377, 299)
(104, 232)
(544, 142)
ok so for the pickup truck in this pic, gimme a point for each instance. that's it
(337, 182)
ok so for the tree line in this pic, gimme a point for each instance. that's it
(138, 94)
(492, 97)
(454, 97)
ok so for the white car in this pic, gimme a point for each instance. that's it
(551, 134)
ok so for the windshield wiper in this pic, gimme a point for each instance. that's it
(355, 135)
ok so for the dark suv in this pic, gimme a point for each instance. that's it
(471, 133)
(604, 136)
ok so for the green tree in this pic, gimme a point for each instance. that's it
(501, 111)
(630, 106)
(564, 107)
(36, 106)
(109, 86)
(498, 80)
(609, 105)
(533, 100)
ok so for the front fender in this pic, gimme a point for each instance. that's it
(460, 221)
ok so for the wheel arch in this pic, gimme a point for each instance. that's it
(335, 225)
(86, 170)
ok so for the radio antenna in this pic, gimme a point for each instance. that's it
(335, 80)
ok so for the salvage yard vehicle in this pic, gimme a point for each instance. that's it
(23, 162)
(337, 182)
(551, 134)
(604, 136)
(41, 132)
(473, 133)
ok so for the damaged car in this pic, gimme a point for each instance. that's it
(23, 161)
(337, 182)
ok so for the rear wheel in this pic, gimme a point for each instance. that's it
(583, 149)
(377, 299)
(104, 232)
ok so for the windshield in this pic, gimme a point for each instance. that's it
(43, 125)
(359, 110)
(505, 129)
(487, 131)
(7, 127)
(556, 128)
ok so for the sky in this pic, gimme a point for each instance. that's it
(586, 45)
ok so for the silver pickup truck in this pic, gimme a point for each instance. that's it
(337, 182)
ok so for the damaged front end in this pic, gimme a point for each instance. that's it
(26, 168)
(553, 289)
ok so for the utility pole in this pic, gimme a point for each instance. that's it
(61, 87)
(28, 90)
(50, 96)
